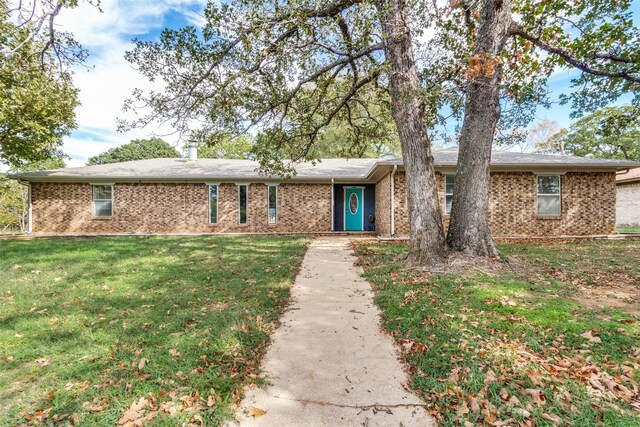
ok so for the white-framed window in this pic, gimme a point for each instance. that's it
(102, 200)
(548, 195)
(273, 204)
(213, 203)
(243, 203)
(449, 181)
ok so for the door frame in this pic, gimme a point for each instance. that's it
(344, 206)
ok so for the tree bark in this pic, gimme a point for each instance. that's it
(427, 240)
(469, 226)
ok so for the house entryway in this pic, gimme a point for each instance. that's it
(354, 207)
(329, 363)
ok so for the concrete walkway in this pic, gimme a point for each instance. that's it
(330, 364)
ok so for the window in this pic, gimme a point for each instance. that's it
(213, 203)
(273, 204)
(103, 200)
(353, 203)
(549, 195)
(243, 195)
(449, 181)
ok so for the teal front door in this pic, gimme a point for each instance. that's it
(353, 209)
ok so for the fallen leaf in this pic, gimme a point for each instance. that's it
(42, 362)
(535, 376)
(142, 363)
(173, 352)
(591, 336)
(135, 411)
(473, 402)
(256, 412)
(553, 417)
(537, 395)
(463, 409)
(95, 406)
(170, 408)
(490, 377)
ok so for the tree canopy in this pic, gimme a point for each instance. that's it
(37, 99)
(37, 96)
(609, 133)
(137, 149)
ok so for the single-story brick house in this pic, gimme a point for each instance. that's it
(531, 195)
(628, 198)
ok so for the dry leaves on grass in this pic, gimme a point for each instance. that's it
(608, 385)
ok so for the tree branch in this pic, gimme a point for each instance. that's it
(517, 30)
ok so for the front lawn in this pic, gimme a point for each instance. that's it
(520, 344)
(157, 330)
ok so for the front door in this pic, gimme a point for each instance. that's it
(353, 209)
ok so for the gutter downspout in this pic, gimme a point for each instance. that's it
(393, 201)
(30, 208)
(30, 229)
(332, 204)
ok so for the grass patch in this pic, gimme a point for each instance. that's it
(628, 229)
(514, 346)
(90, 326)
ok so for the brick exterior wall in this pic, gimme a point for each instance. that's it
(588, 205)
(628, 205)
(401, 208)
(383, 205)
(178, 208)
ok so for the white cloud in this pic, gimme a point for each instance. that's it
(110, 79)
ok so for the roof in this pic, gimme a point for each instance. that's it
(632, 176)
(341, 170)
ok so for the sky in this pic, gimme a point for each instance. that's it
(107, 79)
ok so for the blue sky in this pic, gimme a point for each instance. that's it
(107, 79)
(110, 79)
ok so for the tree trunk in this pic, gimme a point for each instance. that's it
(427, 245)
(469, 226)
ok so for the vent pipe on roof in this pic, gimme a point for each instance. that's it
(193, 152)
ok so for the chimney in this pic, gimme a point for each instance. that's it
(193, 152)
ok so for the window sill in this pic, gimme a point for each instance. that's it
(102, 218)
(549, 217)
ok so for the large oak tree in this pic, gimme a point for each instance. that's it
(531, 39)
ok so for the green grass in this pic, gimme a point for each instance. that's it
(510, 339)
(78, 315)
(628, 229)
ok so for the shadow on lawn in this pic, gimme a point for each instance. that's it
(197, 309)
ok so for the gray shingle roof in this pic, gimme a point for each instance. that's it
(340, 169)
